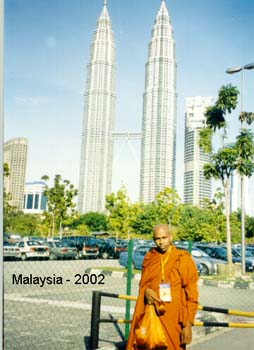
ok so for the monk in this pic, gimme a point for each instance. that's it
(169, 275)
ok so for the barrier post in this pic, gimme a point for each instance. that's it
(190, 246)
(128, 288)
(95, 320)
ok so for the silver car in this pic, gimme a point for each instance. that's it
(209, 265)
(59, 250)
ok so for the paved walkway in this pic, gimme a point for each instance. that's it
(233, 339)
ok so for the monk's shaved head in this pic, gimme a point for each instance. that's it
(162, 236)
(162, 227)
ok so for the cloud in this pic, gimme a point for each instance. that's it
(32, 101)
(51, 42)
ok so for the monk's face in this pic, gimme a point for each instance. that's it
(162, 238)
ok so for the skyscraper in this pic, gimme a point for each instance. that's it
(98, 123)
(15, 155)
(196, 187)
(159, 111)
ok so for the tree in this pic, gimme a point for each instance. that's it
(235, 226)
(82, 230)
(9, 209)
(24, 224)
(222, 166)
(165, 208)
(247, 117)
(223, 163)
(245, 153)
(198, 224)
(93, 220)
(168, 206)
(146, 220)
(215, 210)
(249, 227)
(122, 213)
(216, 115)
(60, 201)
(238, 156)
(6, 170)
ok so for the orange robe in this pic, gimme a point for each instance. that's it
(181, 273)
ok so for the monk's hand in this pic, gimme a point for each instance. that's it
(186, 335)
(151, 296)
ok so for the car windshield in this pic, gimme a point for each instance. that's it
(247, 253)
(61, 244)
(91, 242)
(250, 251)
(221, 252)
(33, 243)
(199, 253)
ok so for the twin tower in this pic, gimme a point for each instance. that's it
(159, 115)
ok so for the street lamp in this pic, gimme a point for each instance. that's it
(232, 71)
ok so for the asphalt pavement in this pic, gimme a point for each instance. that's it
(233, 339)
(57, 316)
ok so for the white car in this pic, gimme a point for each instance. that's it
(33, 249)
(11, 251)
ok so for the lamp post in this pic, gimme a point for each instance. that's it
(232, 71)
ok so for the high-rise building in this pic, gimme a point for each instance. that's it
(98, 123)
(196, 187)
(35, 202)
(15, 155)
(159, 111)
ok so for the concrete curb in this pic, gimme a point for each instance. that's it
(237, 283)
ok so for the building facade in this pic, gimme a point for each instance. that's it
(98, 123)
(159, 111)
(196, 187)
(35, 202)
(15, 155)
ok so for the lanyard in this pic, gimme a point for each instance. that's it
(163, 263)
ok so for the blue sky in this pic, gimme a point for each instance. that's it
(47, 44)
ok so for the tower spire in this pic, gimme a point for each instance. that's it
(105, 2)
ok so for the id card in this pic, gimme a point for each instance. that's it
(165, 292)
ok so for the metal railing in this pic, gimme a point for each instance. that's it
(96, 320)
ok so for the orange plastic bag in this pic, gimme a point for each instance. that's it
(149, 331)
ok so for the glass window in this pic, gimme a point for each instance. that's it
(36, 201)
(43, 202)
(29, 201)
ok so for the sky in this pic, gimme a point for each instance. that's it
(47, 48)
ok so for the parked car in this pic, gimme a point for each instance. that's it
(238, 253)
(59, 250)
(107, 248)
(33, 249)
(121, 246)
(220, 252)
(250, 250)
(10, 251)
(209, 264)
(90, 248)
(139, 255)
(87, 246)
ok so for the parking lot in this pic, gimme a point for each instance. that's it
(57, 315)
